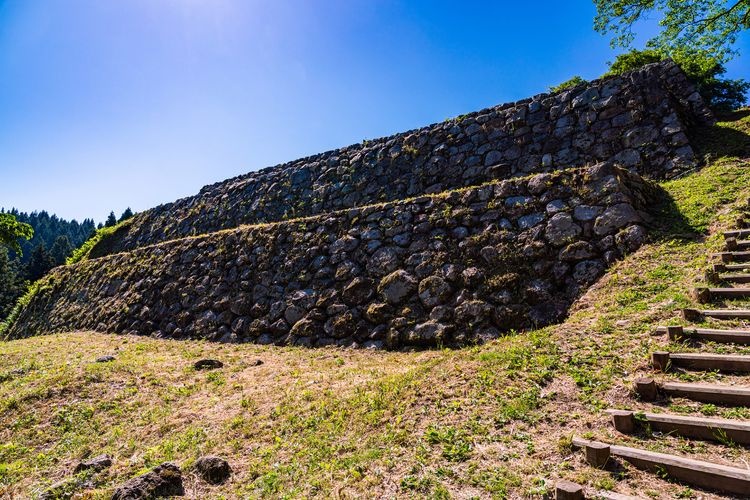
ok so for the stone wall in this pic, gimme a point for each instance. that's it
(640, 120)
(445, 269)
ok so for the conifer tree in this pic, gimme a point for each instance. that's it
(40, 263)
(61, 249)
(111, 220)
(127, 214)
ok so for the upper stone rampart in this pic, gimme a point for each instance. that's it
(639, 120)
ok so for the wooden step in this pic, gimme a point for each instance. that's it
(566, 490)
(739, 278)
(733, 244)
(706, 294)
(705, 475)
(663, 361)
(737, 233)
(735, 278)
(705, 429)
(694, 315)
(725, 268)
(726, 395)
(680, 333)
(733, 256)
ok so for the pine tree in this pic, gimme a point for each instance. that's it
(39, 264)
(111, 220)
(61, 250)
(127, 214)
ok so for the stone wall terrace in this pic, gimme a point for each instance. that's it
(453, 268)
(639, 120)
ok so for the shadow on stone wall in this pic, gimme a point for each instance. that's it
(710, 143)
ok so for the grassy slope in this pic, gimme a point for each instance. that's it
(488, 421)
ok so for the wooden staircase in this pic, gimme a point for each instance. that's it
(734, 269)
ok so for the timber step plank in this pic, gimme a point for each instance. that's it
(737, 233)
(739, 278)
(663, 361)
(680, 333)
(726, 395)
(734, 244)
(724, 268)
(705, 294)
(699, 314)
(706, 429)
(735, 278)
(738, 256)
(698, 473)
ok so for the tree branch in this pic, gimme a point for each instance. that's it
(709, 21)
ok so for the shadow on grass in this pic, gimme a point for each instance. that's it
(685, 211)
(719, 140)
(669, 223)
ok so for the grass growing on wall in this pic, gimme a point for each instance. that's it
(22, 302)
(83, 252)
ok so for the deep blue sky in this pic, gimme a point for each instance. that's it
(116, 103)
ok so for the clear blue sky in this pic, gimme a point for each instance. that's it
(106, 104)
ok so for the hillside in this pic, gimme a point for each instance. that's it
(488, 421)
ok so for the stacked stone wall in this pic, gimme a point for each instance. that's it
(453, 268)
(639, 120)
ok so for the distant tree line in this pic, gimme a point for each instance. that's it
(32, 244)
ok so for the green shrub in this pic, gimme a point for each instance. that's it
(568, 84)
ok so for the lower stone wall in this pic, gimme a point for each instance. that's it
(448, 269)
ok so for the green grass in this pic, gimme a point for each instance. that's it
(697, 199)
(99, 238)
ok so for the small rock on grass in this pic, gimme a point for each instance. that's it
(212, 469)
(105, 359)
(164, 481)
(208, 364)
(96, 464)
